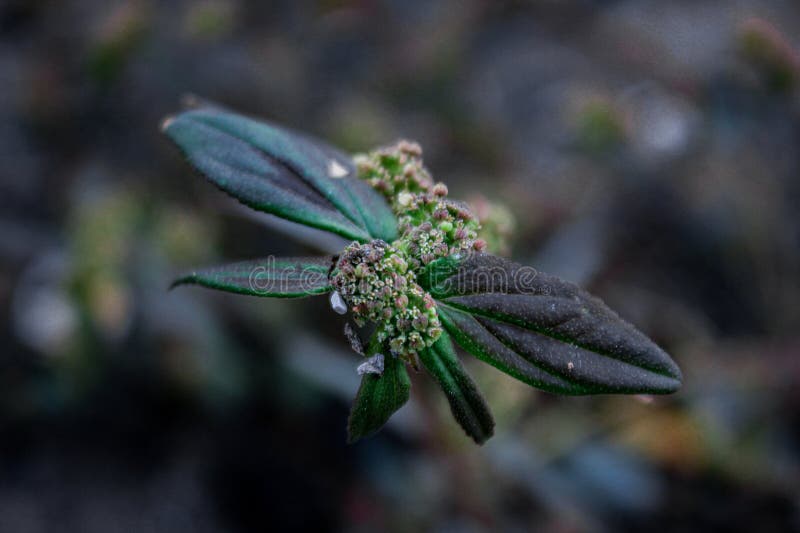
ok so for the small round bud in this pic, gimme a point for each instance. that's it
(401, 301)
(396, 344)
(410, 148)
(415, 341)
(440, 189)
(360, 270)
(405, 199)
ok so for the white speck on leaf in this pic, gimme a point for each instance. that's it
(337, 303)
(373, 365)
(336, 170)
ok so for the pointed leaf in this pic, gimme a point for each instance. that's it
(275, 170)
(287, 277)
(543, 330)
(378, 397)
(466, 402)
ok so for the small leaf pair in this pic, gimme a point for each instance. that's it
(381, 395)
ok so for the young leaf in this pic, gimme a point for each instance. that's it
(378, 397)
(278, 171)
(288, 277)
(466, 402)
(543, 330)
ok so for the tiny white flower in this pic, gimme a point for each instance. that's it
(405, 198)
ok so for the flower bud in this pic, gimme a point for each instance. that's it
(401, 302)
(405, 199)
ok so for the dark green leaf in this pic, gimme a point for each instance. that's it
(378, 397)
(277, 171)
(543, 330)
(287, 277)
(466, 402)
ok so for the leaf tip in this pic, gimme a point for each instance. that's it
(674, 384)
(481, 436)
(673, 375)
(183, 280)
(353, 438)
(166, 123)
(354, 430)
(668, 382)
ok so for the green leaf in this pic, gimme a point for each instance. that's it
(275, 170)
(378, 397)
(287, 277)
(466, 402)
(544, 331)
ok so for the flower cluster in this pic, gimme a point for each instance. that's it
(394, 170)
(430, 224)
(376, 281)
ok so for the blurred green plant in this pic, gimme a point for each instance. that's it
(600, 127)
(771, 54)
(416, 271)
(122, 32)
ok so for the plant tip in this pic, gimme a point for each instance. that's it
(166, 122)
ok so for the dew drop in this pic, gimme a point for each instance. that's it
(337, 303)
(336, 170)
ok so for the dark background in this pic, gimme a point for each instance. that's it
(649, 151)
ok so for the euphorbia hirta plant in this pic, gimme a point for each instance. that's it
(416, 273)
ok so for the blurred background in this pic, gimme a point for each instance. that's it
(647, 150)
